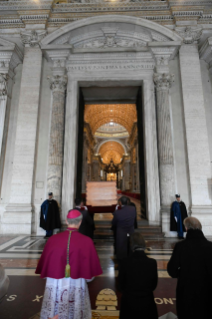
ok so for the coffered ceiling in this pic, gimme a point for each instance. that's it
(111, 150)
(99, 114)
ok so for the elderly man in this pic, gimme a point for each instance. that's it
(123, 223)
(69, 259)
(191, 264)
(50, 215)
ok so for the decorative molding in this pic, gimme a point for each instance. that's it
(3, 85)
(31, 38)
(58, 83)
(163, 81)
(189, 34)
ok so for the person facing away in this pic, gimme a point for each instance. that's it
(123, 223)
(133, 204)
(178, 214)
(50, 215)
(138, 279)
(69, 259)
(191, 264)
(87, 225)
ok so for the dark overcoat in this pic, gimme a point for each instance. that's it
(184, 214)
(123, 222)
(50, 215)
(87, 225)
(138, 279)
(191, 263)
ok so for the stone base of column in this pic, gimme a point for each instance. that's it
(17, 219)
(165, 220)
(204, 214)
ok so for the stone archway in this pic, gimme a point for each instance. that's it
(109, 51)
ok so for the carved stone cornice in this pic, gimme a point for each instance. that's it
(189, 34)
(10, 57)
(58, 83)
(163, 81)
(3, 85)
(32, 38)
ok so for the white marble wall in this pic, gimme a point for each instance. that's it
(179, 136)
(196, 130)
(207, 93)
(19, 208)
(40, 191)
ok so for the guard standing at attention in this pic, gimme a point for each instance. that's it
(50, 215)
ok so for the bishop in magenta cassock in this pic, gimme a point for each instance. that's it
(69, 259)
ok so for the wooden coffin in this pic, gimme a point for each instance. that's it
(101, 193)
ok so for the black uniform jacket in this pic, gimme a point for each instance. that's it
(137, 279)
(184, 214)
(87, 225)
(191, 263)
(123, 222)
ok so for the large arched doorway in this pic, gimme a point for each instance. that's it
(113, 52)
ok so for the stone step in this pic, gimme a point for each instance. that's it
(106, 233)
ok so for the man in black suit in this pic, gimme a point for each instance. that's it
(138, 279)
(87, 225)
(123, 221)
(191, 264)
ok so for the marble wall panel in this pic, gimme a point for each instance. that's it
(196, 129)
(207, 92)
(25, 143)
(179, 136)
(7, 175)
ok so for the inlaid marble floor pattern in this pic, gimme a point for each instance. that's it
(19, 255)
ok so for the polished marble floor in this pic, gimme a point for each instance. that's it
(19, 256)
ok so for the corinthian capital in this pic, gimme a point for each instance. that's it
(163, 81)
(3, 85)
(31, 38)
(189, 34)
(58, 83)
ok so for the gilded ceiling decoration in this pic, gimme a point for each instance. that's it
(111, 150)
(99, 114)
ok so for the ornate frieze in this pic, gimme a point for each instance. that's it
(31, 38)
(163, 81)
(58, 83)
(189, 34)
(3, 85)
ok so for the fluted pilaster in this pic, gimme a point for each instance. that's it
(56, 144)
(165, 148)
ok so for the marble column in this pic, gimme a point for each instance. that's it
(3, 101)
(18, 215)
(137, 171)
(84, 165)
(56, 142)
(70, 147)
(165, 146)
(9, 61)
(196, 130)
